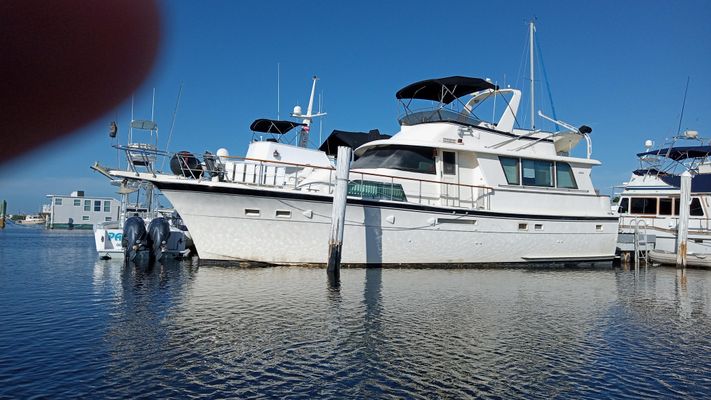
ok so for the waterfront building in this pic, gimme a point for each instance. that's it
(76, 211)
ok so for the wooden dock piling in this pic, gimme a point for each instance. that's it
(683, 225)
(3, 212)
(338, 215)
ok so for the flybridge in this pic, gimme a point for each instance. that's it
(453, 106)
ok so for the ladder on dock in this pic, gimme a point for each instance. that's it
(641, 241)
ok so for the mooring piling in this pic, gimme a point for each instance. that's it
(338, 215)
(683, 225)
(3, 211)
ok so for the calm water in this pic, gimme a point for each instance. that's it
(74, 326)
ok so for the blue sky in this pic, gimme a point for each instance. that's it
(618, 66)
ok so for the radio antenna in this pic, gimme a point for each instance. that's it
(683, 104)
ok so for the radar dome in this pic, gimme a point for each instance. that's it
(648, 144)
(222, 152)
(691, 134)
(297, 109)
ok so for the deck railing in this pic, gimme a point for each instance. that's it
(365, 185)
(319, 179)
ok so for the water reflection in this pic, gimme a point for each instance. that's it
(75, 327)
(526, 332)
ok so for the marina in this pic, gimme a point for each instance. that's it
(447, 216)
(94, 328)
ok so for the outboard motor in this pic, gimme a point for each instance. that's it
(134, 237)
(186, 164)
(158, 234)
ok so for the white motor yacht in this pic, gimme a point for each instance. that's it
(649, 203)
(449, 188)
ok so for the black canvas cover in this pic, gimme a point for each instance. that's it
(273, 126)
(680, 153)
(700, 183)
(444, 90)
(350, 139)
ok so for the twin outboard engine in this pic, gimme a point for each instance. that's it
(158, 234)
(135, 238)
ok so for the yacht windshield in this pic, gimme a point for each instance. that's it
(404, 158)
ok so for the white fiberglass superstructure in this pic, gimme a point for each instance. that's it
(448, 188)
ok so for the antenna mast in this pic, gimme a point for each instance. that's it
(306, 119)
(278, 88)
(532, 29)
(683, 104)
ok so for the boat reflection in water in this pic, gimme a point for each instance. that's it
(182, 329)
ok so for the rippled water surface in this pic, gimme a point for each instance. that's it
(74, 326)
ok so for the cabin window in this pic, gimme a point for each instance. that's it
(449, 163)
(376, 190)
(643, 205)
(695, 208)
(665, 206)
(510, 167)
(77, 202)
(107, 219)
(84, 217)
(107, 206)
(564, 176)
(87, 205)
(57, 202)
(404, 158)
(537, 172)
(97, 205)
(624, 206)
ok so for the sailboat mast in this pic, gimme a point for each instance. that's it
(532, 28)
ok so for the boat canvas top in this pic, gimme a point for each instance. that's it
(350, 139)
(273, 126)
(680, 152)
(444, 90)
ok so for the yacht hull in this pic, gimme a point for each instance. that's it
(284, 227)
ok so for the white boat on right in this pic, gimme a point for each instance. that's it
(649, 203)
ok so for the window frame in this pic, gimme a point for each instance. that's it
(449, 168)
(645, 206)
(518, 169)
(572, 175)
(535, 168)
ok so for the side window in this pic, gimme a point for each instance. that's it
(97, 205)
(695, 208)
(77, 202)
(449, 159)
(107, 206)
(87, 205)
(624, 206)
(665, 206)
(643, 205)
(537, 172)
(564, 176)
(510, 167)
(57, 201)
